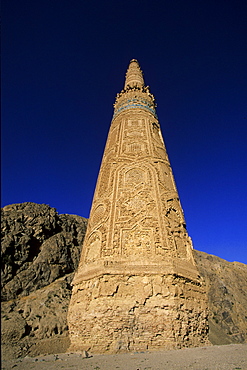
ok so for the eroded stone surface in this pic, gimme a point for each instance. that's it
(137, 313)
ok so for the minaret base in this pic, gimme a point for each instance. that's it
(122, 313)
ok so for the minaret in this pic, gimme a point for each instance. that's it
(137, 287)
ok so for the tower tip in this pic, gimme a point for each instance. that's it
(134, 60)
(134, 75)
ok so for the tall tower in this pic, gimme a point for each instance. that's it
(137, 286)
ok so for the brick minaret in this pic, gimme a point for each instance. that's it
(137, 286)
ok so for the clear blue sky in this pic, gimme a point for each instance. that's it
(64, 61)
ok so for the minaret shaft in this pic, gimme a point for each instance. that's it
(136, 246)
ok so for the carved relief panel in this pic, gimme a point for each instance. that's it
(113, 137)
(105, 180)
(157, 141)
(135, 176)
(98, 215)
(178, 236)
(136, 211)
(137, 241)
(93, 247)
(134, 142)
(156, 134)
(131, 199)
(165, 177)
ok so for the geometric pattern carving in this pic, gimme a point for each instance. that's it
(94, 247)
(98, 214)
(135, 176)
(137, 241)
(134, 148)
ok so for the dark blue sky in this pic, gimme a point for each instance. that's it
(63, 61)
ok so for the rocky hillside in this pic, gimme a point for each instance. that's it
(40, 252)
(227, 297)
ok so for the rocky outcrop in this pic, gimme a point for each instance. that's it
(40, 252)
(227, 298)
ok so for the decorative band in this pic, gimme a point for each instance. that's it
(129, 106)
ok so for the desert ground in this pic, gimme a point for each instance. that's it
(227, 357)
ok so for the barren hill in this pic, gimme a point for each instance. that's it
(227, 298)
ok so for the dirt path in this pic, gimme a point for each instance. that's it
(228, 357)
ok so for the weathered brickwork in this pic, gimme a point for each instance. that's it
(137, 286)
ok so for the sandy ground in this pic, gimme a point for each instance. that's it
(230, 357)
